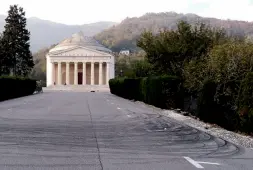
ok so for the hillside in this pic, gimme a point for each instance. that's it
(124, 35)
(45, 33)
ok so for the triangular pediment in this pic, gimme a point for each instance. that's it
(79, 51)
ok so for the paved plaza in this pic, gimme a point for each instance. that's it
(100, 131)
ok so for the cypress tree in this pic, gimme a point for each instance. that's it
(4, 62)
(16, 43)
(1, 56)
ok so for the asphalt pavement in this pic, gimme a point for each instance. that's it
(100, 131)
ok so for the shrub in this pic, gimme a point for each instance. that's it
(116, 86)
(142, 68)
(13, 87)
(163, 91)
(206, 104)
(216, 104)
(245, 103)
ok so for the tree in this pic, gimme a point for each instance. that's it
(15, 43)
(1, 56)
(4, 62)
(169, 50)
(39, 70)
(142, 68)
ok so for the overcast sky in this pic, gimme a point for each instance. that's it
(88, 11)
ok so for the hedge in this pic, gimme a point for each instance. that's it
(245, 103)
(13, 87)
(162, 91)
(213, 104)
(217, 106)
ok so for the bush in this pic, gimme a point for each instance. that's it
(13, 87)
(216, 104)
(245, 110)
(142, 68)
(206, 104)
(163, 91)
(116, 86)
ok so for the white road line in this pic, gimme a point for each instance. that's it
(210, 163)
(128, 116)
(118, 108)
(112, 103)
(196, 164)
(159, 130)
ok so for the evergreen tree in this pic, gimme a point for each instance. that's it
(1, 56)
(15, 43)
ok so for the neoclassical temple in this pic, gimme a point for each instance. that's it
(79, 60)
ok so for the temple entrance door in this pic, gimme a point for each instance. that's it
(80, 78)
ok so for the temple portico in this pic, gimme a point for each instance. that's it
(80, 61)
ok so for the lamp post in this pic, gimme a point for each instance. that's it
(121, 73)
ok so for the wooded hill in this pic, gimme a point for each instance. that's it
(124, 35)
(45, 33)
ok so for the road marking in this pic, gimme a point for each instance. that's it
(118, 108)
(210, 163)
(159, 130)
(128, 116)
(196, 164)
(112, 103)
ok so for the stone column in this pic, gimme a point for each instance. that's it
(76, 74)
(59, 73)
(100, 73)
(92, 73)
(107, 73)
(53, 73)
(67, 73)
(84, 73)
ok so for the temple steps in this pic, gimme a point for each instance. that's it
(77, 88)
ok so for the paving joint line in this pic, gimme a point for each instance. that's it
(95, 135)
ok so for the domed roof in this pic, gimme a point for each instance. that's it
(79, 40)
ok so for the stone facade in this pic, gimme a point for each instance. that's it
(79, 61)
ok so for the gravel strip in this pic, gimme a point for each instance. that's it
(233, 137)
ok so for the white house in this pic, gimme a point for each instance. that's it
(125, 52)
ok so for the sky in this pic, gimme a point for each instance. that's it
(88, 11)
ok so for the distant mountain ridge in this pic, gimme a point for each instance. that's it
(117, 36)
(44, 33)
(124, 35)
